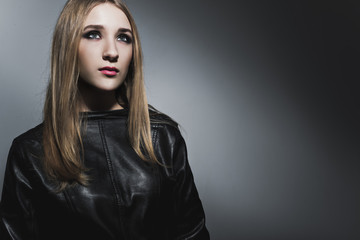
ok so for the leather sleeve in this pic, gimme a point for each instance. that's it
(189, 213)
(16, 212)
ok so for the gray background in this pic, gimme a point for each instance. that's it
(266, 91)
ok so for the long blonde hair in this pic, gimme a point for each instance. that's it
(62, 120)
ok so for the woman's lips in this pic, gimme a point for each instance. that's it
(109, 71)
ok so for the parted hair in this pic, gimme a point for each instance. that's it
(63, 123)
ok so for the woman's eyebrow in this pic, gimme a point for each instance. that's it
(98, 27)
(94, 27)
(122, 30)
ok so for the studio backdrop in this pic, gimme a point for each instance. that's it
(266, 92)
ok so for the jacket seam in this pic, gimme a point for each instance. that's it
(155, 135)
(112, 177)
(68, 201)
(155, 132)
(109, 163)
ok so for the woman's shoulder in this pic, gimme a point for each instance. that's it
(161, 122)
(31, 136)
(158, 118)
(165, 130)
(168, 142)
(26, 150)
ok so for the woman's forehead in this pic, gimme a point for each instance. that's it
(107, 15)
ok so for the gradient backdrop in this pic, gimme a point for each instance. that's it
(267, 93)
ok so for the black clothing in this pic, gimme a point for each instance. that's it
(127, 198)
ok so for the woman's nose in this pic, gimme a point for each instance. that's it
(110, 51)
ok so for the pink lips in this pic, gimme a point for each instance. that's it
(109, 71)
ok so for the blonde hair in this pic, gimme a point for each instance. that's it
(62, 120)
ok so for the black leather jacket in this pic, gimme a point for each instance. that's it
(127, 198)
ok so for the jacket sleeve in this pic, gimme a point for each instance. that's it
(16, 212)
(189, 212)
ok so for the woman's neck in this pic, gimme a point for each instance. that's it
(93, 99)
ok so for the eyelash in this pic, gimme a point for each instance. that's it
(127, 38)
(91, 35)
(95, 35)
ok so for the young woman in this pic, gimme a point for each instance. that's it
(101, 165)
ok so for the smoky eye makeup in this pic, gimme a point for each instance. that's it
(124, 38)
(93, 34)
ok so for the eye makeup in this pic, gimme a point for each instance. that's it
(124, 34)
(124, 38)
(92, 35)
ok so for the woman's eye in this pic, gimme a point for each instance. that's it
(124, 38)
(92, 35)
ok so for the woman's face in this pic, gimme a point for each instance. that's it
(105, 48)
